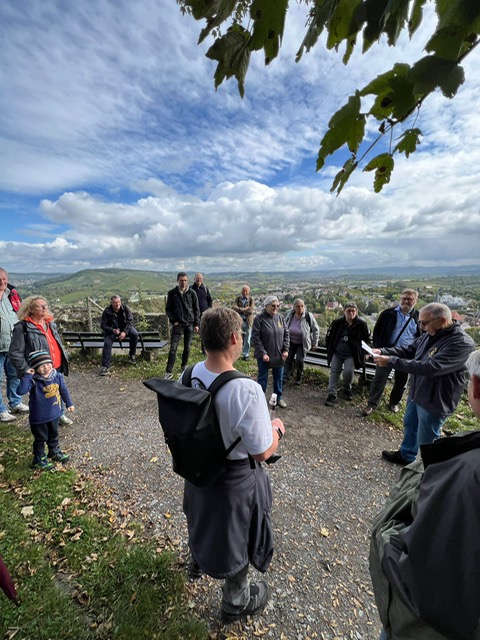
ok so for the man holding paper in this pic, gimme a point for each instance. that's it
(395, 327)
(436, 363)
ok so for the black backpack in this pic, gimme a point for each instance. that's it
(190, 424)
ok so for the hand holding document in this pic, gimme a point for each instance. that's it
(366, 348)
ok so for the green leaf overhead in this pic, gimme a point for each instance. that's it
(409, 140)
(268, 18)
(233, 55)
(383, 166)
(343, 175)
(398, 93)
(345, 127)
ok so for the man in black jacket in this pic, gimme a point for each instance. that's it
(183, 311)
(395, 327)
(344, 350)
(117, 324)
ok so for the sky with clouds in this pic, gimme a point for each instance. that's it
(118, 152)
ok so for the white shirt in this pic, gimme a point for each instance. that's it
(242, 410)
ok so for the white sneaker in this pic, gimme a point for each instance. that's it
(281, 403)
(168, 376)
(20, 408)
(66, 422)
(7, 417)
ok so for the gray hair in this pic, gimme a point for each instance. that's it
(115, 297)
(438, 310)
(4, 271)
(269, 300)
(473, 364)
(299, 301)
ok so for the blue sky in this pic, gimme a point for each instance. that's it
(118, 152)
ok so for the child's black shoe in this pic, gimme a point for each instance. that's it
(42, 463)
(58, 456)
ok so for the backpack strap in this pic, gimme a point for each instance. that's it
(219, 381)
(308, 318)
(216, 385)
(223, 378)
(187, 376)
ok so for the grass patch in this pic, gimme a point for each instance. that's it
(78, 574)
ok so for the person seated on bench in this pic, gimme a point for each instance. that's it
(117, 324)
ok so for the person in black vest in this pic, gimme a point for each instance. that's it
(204, 298)
(117, 324)
(183, 311)
(395, 327)
(344, 351)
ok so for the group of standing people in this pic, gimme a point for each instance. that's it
(278, 342)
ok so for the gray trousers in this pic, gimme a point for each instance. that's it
(338, 363)
(379, 381)
(236, 591)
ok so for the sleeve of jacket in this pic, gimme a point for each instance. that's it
(170, 307)
(257, 336)
(451, 357)
(379, 325)
(26, 383)
(286, 337)
(128, 318)
(367, 336)
(408, 352)
(17, 349)
(209, 299)
(64, 391)
(315, 330)
(196, 309)
(250, 310)
(104, 324)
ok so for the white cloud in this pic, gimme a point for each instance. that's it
(109, 122)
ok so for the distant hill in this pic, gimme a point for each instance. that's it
(100, 284)
(95, 283)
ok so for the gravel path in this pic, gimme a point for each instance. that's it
(326, 488)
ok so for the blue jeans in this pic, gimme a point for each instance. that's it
(247, 336)
(12, 382)
(419, 427)
(277, 373)
(383, 635)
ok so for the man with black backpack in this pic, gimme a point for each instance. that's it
(229, 521)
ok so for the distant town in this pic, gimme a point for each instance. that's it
(325, 294)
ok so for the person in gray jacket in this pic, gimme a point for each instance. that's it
(304, 332)
(271, 341)
(436, 363)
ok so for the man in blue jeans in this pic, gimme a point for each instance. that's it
(436, 362)
(183, 311)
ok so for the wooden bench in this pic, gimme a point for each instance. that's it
(148, 341)
(319, 358)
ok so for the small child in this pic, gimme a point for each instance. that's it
(47, 389)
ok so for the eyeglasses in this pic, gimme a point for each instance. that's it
(40, 306)
(275, 306)
(407, 299)
(425, 323)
